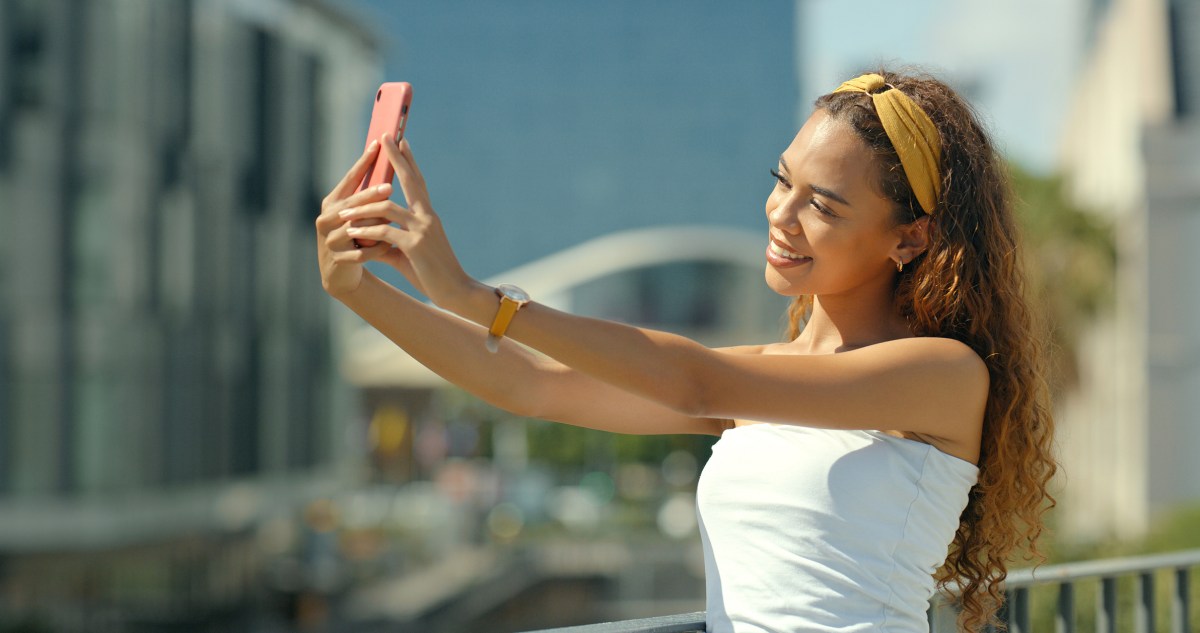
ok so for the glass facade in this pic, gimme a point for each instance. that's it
(180, 325)
(164, 337)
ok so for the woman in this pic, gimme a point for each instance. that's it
(900, 437)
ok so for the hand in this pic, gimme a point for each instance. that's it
(424, 253)
(340, 259)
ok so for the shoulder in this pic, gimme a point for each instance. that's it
(946, 372)
(932, 348)
(935, 357)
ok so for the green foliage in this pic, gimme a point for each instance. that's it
(1071, 259)
(569, 448)
(1175, 531)
(31, 624)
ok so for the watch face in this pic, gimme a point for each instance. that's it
(512, 292)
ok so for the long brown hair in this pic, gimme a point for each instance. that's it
(969, 285)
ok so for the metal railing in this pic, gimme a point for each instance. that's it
(1143, 570)
(1017, 609)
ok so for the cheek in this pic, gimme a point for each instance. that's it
(818, 232)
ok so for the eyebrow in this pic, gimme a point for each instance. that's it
(817, 188)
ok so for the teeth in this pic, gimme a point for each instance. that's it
(778, 250)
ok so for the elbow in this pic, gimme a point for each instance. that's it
(694, 408)
(694, 400)
(693, 394)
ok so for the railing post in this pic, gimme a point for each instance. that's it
(1106, 606)
(1143, 606)
(1064, 616)
(1180, 602)
(1018, 609)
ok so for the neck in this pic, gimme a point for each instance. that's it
(841, 323)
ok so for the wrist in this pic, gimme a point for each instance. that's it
(476, 302)
(511, 300)
(350, 295)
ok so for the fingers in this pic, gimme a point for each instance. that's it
(386, 210)
(362, 255)
(411, 180)
(358, 171)
(383, 233)
(329, 220)
(368, 224)
(340, 240)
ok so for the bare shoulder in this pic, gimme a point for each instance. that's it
(955, 379)
(929, 353)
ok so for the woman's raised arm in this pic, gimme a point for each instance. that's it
(513, 378)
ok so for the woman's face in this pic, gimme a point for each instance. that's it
(831, 231)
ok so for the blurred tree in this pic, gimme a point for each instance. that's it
(1071, 261)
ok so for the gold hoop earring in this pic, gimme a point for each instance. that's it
(900, 265)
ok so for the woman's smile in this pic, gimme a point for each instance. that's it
(780, 256)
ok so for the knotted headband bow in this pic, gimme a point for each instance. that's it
(916, 140)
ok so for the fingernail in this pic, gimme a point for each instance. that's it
(373, 145)
(384, 188)
(345, 212)
(353, 230)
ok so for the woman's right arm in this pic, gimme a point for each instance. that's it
(513, 378)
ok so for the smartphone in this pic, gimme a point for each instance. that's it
(389, 115)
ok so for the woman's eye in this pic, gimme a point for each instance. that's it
(782, 181)
(814, 203)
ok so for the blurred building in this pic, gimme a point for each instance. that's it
(167, 381)
(1132, 150)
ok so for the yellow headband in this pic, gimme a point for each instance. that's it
(916, 140)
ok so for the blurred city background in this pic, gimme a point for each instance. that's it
(194, 437)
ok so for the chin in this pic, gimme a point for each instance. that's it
(782, 285)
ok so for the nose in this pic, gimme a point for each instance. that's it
(783, 217)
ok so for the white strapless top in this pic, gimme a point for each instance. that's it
(809, 529)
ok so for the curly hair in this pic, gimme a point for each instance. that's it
(969, 285)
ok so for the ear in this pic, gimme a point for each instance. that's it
(911, 239)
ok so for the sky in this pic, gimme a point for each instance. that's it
(1016, 59)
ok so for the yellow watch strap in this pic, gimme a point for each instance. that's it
(504, 316)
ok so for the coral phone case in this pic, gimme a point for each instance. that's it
(389, 115)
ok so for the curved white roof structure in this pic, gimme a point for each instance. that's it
(370, 360)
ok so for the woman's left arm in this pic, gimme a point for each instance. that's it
(923, 385)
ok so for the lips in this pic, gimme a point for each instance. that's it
(781, 256)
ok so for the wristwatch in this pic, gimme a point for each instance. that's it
(512, 299)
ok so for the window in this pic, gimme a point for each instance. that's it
(264, 90)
